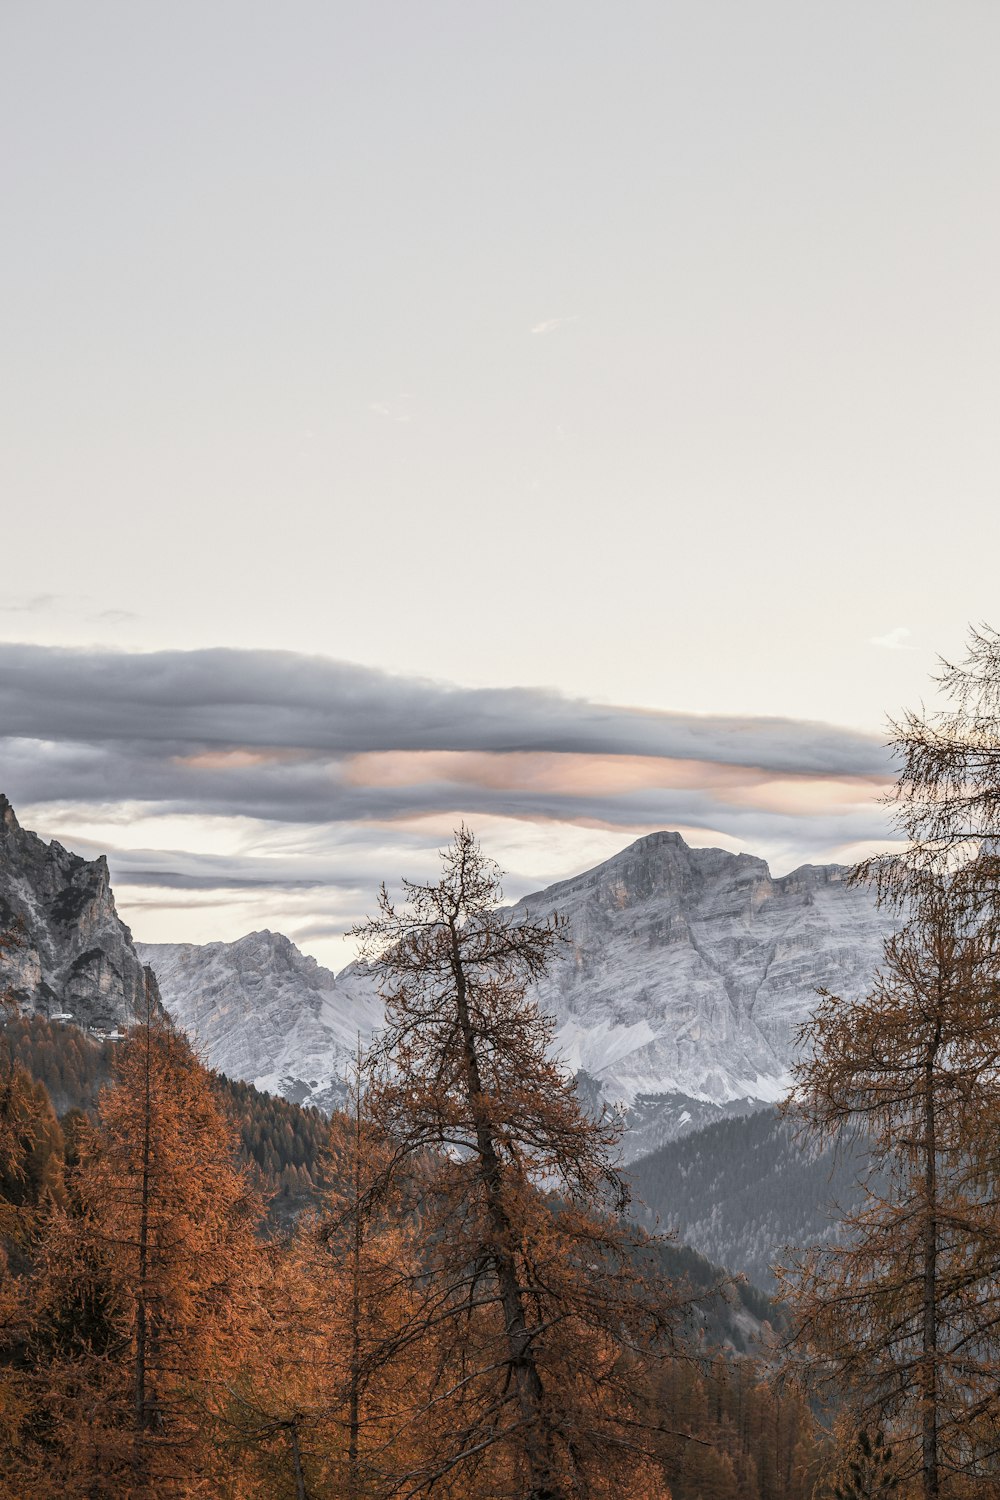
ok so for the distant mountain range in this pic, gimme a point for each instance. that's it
(259, 1010)
(680, 991)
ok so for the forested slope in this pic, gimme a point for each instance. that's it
(742, 1190)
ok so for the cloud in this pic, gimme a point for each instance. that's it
(163, 706)
(32, 604)
(115, 616)
(551, 324)
(893, 640)
(325, 776)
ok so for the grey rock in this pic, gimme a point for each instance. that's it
(71, 953)
(679, 993)
(259, 1010)
(689, 971)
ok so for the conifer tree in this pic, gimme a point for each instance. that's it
(321, 1412)
(867, 1471)
(904, 1311)
(160, 1247)
(945, 804)
(538, 1302)
(909, 1309)
(363, 1233)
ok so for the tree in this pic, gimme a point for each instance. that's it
(907, 1309)
(537, 1302)
(317, 1411)
(904, 1312)
(867, 1470)
(143, 1284)
(946, 800)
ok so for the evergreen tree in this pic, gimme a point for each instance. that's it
(538, 1302)
(904, 1312)
(159, 1246)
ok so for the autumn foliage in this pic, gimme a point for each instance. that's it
(464, 1309)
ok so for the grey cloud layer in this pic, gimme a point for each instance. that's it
(176, 702)
(102, 729)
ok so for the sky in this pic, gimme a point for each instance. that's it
(579, 419)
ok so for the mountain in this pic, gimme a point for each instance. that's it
(687, 973)
(260, 1010)
(746, 1193)
(679, 990)
(72, 955)
(684, 978)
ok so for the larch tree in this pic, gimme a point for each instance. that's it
(160, 1241)
(318, 1413)
(538, 1302)
(907, 1309)
(903, 1312)
(30, 1177)
(362, 1246)
(945, 804)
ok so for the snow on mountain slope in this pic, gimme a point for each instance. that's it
(689, 971)
(259, 1010)
(685, 977)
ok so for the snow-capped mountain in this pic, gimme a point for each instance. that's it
(685, 976)
(689, 971)
(69, 954)
(260, 1010)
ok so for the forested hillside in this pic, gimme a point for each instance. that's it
(282, 1142)
(160, 1336)
(709, 1444)
(742, 1190)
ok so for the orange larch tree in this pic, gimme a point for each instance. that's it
(902, 1313)
(146, 1283)
(539, 1304)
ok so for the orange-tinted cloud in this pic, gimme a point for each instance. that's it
(602, 776)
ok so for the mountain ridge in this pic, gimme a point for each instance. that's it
(680, 991)
(691, 970)
(687, 975)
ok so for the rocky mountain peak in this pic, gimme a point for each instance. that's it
(689, 971)
(73, 955)
(260, 1009)
(686, 975)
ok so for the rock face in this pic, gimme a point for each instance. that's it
(259, 1010)
(685, 978)
(689, 971)
(72, 955)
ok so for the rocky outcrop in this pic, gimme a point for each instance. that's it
(689, 971)
(681, 987)
(68, 953)
(259, 1010)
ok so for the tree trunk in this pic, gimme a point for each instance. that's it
(300, 1481)
(929, 1341)
(141, 1414)
(528, 1382)
(354, 1395)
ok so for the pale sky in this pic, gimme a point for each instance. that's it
(645, 354)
